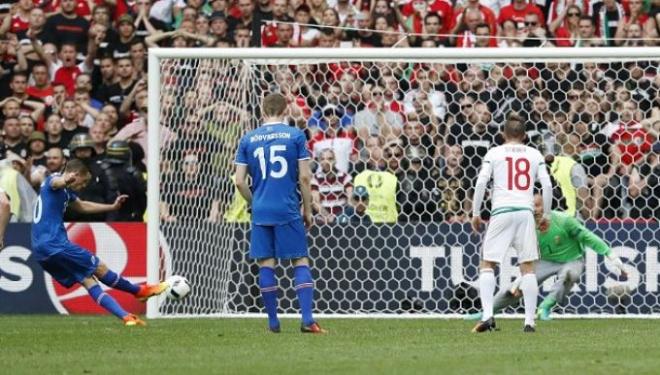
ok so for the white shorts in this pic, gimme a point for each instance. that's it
(516, 229)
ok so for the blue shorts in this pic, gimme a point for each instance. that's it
(71, 265)
(285, 241)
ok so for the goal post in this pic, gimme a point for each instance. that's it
(424, 264)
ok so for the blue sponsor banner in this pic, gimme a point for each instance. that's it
(420, 266)
(378, 268)
(22, 284)
(26, 288)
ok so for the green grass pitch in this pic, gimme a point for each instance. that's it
(101, 345)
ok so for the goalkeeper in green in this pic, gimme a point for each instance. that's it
(562, 244)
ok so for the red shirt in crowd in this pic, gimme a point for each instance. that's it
(332, 190)
(82, 7)
(563, 37)
(632, 144)
(67, 77)
(18, 24)
(44, 94)
(442, 8)
(486, 13)
(467, 40)
(518, 16)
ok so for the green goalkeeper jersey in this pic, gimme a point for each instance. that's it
(566, 239)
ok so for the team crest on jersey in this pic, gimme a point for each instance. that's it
(375, 181)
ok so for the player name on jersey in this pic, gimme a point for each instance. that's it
(269, 137)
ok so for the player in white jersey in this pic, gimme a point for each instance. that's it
(514, 169)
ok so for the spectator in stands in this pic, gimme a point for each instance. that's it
(36, 145)
(247, 19)
(328, 39)
(341, 141)
(424, 84)
(371, 156)
(67, 27)
(565, 27)
(483, 38)
(242, 36)
(18, 86)
(85, 107)
(145, 23)
(111, 119)
(334, 100)
(70, 123)
(331, 20)
(488, 15)
(36, 27)
(269, 34)
(138, 55)
(129, 104)
(53, 129)
(55, 160)
(99, 138)
(27, 127)
(18, 22)
(417, 141)
(219, 28)
(137, 130)
(635, 16)
(533, 34)
(452, 187)
(416, 185)
(13, 140)
(474, 137)
(377, 119)
(283, 33)
(42, 87)
(330, 188)
(68, 72)
(187, 193)
(356, 212)
(465, 30)
(517, 10)
(115, 93)
(587, 33)
(303, 35)
(11, 107)
(508, 33)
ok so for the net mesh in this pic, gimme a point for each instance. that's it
(427, 125)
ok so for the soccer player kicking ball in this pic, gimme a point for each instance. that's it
(69, 263)
(562, 246)
(514, 168)
(276, 158)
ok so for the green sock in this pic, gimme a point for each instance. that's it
(547, 303)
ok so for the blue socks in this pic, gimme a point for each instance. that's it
(115, 281)
(106, 301)
(302, 279)
(268, 286)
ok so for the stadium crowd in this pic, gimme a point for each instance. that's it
(410, 136)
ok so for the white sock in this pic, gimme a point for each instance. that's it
(530, 291)
(487, 292)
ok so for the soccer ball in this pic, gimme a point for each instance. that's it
(178, 288)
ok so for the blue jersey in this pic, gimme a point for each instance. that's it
(271, 154)
(48, 232)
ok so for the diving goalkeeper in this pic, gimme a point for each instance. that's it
(562, 245)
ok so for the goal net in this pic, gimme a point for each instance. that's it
(424, 119)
